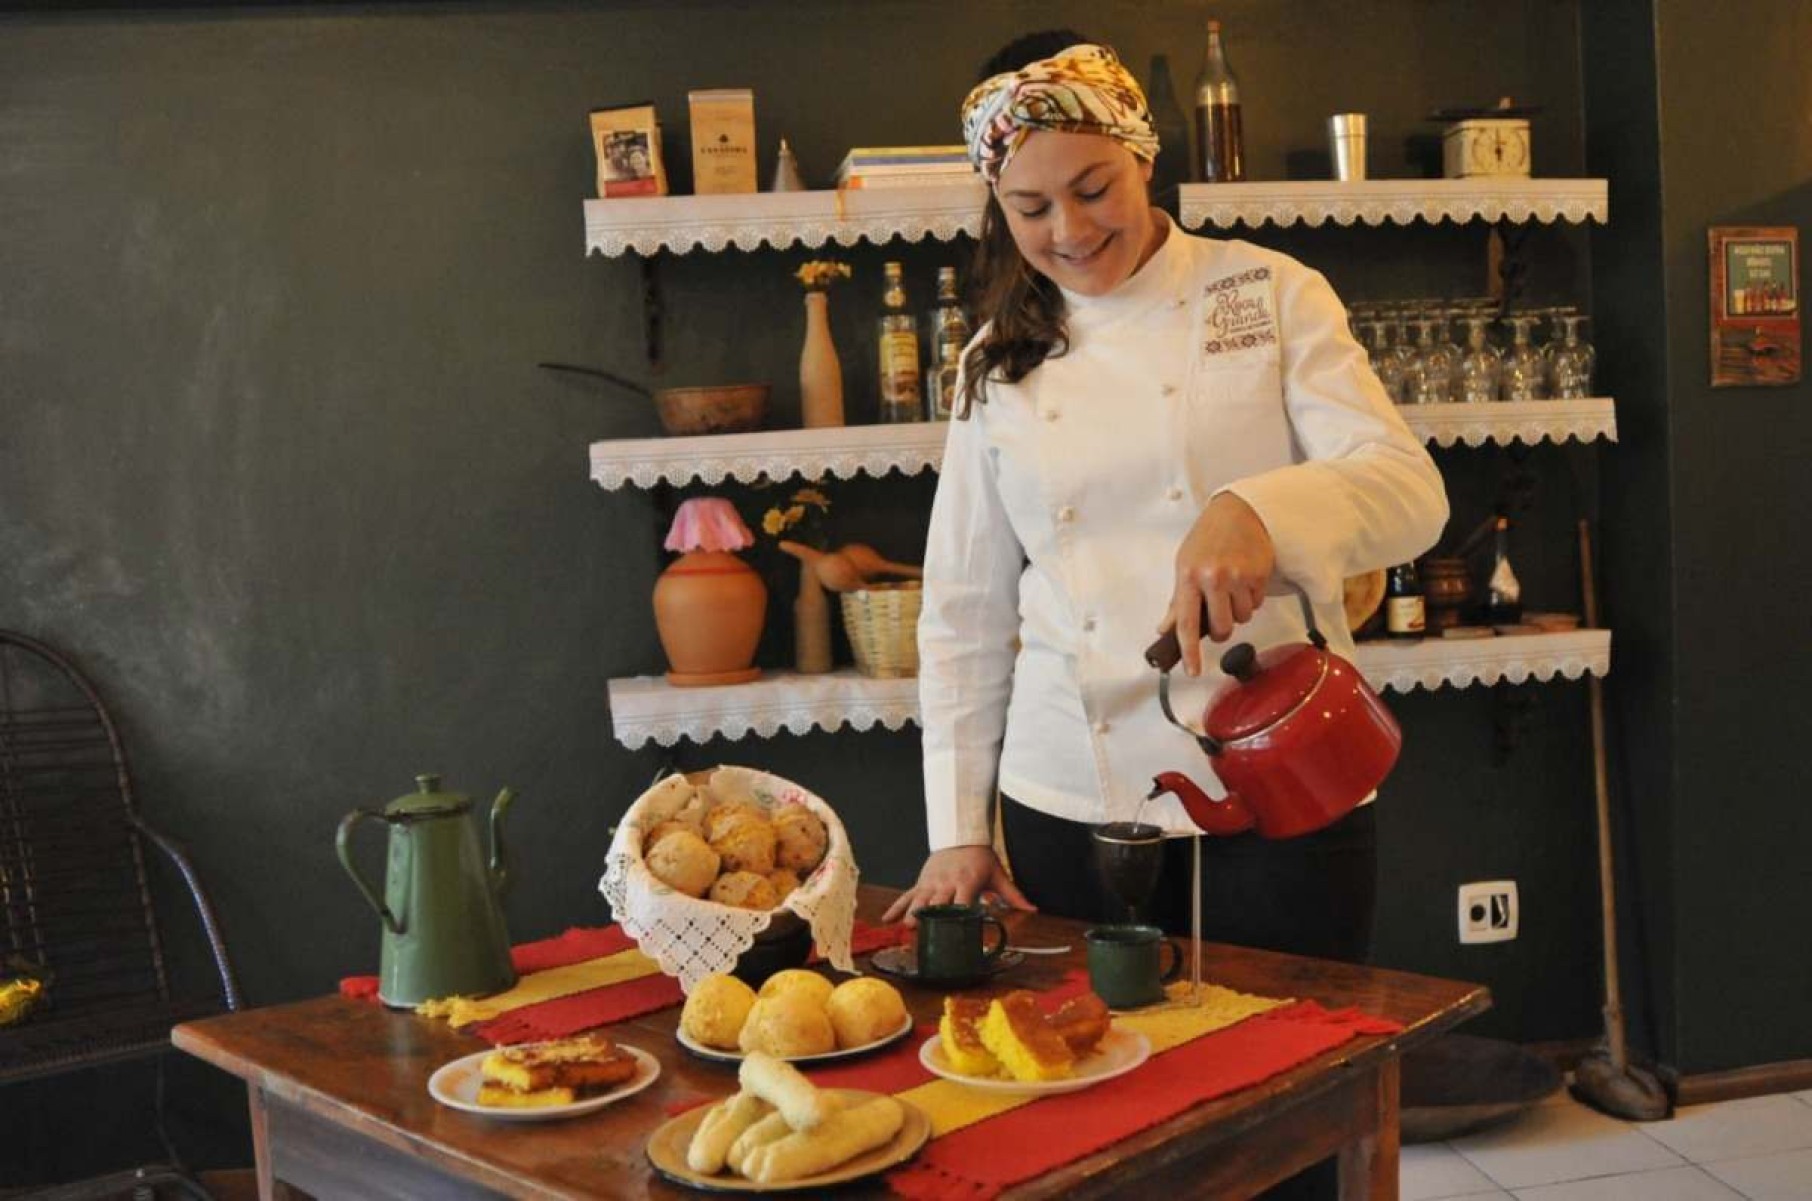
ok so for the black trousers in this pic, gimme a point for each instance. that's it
(1313, 895)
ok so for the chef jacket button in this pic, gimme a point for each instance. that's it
(1168, 389)
(1049, 414)
(1088, 623)
(1173, 494)
(1101, 727)
(1066, 514)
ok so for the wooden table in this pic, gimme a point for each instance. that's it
(340, 1104)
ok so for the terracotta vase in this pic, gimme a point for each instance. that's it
(811, 624)
(708, 608)
(820, 372)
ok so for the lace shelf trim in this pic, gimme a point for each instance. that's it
(841, 451)
(1527, 421)
(644, 225)
(646, 709)
(1396, 201)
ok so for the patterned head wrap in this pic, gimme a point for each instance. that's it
(1083, 89)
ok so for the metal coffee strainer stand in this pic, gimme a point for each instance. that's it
(1130, 856)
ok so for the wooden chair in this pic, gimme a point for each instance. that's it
(75, 897)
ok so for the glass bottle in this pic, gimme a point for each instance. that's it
(1219, 144)
(942, 381)
(899, 352)
(1503, 594)
(1405, 604)
(949, 328)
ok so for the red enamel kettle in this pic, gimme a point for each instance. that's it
(1297, 736)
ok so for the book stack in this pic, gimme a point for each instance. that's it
(904, 167)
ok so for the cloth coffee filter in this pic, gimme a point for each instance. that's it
(692, 938)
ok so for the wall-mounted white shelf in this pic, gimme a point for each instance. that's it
(1396, 201)
(679, 224)
(913, 447)
(646, 709)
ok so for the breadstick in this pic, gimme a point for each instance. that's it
(780, 1084)
(769, 1129)
(842, 1137)
(722, 1124)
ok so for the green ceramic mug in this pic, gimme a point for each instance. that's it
(1126, 964)
(953, 944)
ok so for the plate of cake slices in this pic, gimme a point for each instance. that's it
(1013, 1044)
(539, 1082)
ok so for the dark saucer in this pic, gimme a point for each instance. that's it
(903, 964)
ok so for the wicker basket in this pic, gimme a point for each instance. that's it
(883, 626)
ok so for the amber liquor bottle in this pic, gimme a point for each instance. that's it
(899, 352)
(1405, 605)
(1219, 143)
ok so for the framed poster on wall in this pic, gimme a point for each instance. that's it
(1754, 306)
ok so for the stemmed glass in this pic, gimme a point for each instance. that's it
(1570, 362)
(1480, 365)
(1385, 362)
(1432, 379)
(1525, 370)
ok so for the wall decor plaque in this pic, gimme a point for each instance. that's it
(1754, 306)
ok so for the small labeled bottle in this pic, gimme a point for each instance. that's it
(899, 352)
(1503, 594)
(949, 329)
(1405, 604)
(942, 383)
(1219, 142)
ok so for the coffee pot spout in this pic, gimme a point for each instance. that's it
(1225, 816)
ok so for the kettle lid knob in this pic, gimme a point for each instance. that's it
(1240, 662)
(428, 782)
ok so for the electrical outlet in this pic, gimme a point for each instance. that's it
(1488, 911)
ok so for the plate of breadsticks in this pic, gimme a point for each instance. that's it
(1009, 1044)
(782, 1133)
(537, 1082)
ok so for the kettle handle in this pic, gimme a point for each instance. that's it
(341, 844)
(1167, 651)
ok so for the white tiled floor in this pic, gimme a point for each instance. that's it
(1759, 1148)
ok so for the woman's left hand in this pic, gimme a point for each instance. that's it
(1222, 568)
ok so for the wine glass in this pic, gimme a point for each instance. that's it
(1570, 364)
(1524, 370)
(1479, 366)
(1129, 857)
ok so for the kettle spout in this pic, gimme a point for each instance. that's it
(1225, 816)
(500, 873)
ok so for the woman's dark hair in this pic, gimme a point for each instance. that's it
(1023, 309)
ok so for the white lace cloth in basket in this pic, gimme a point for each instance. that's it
(692, 938)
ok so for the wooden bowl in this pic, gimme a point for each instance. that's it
(714, 409)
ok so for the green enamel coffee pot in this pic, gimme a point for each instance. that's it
(442, 910)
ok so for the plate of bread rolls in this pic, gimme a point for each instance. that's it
(779, 1132)
(1010, 1044)
(537, 1082)
(798, 1015)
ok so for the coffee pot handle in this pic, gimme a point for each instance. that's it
(341, 844)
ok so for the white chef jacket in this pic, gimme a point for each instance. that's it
(1051, 558)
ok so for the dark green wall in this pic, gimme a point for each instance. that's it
(276, 463)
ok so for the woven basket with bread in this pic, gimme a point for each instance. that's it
(703, 864)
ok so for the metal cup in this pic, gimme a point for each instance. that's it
(1346, 142)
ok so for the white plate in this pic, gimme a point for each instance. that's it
(722, 1056)
(1118, 1053)
(456, 1085)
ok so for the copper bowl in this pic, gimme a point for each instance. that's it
(712, 409)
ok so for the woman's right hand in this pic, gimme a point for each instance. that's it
(958, 875)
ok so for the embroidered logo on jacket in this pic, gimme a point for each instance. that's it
(1238, 312)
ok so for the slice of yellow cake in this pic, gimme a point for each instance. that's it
(502, 1096)
(958, 1031)
(1016, 1033)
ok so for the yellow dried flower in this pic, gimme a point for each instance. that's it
(820, 274)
